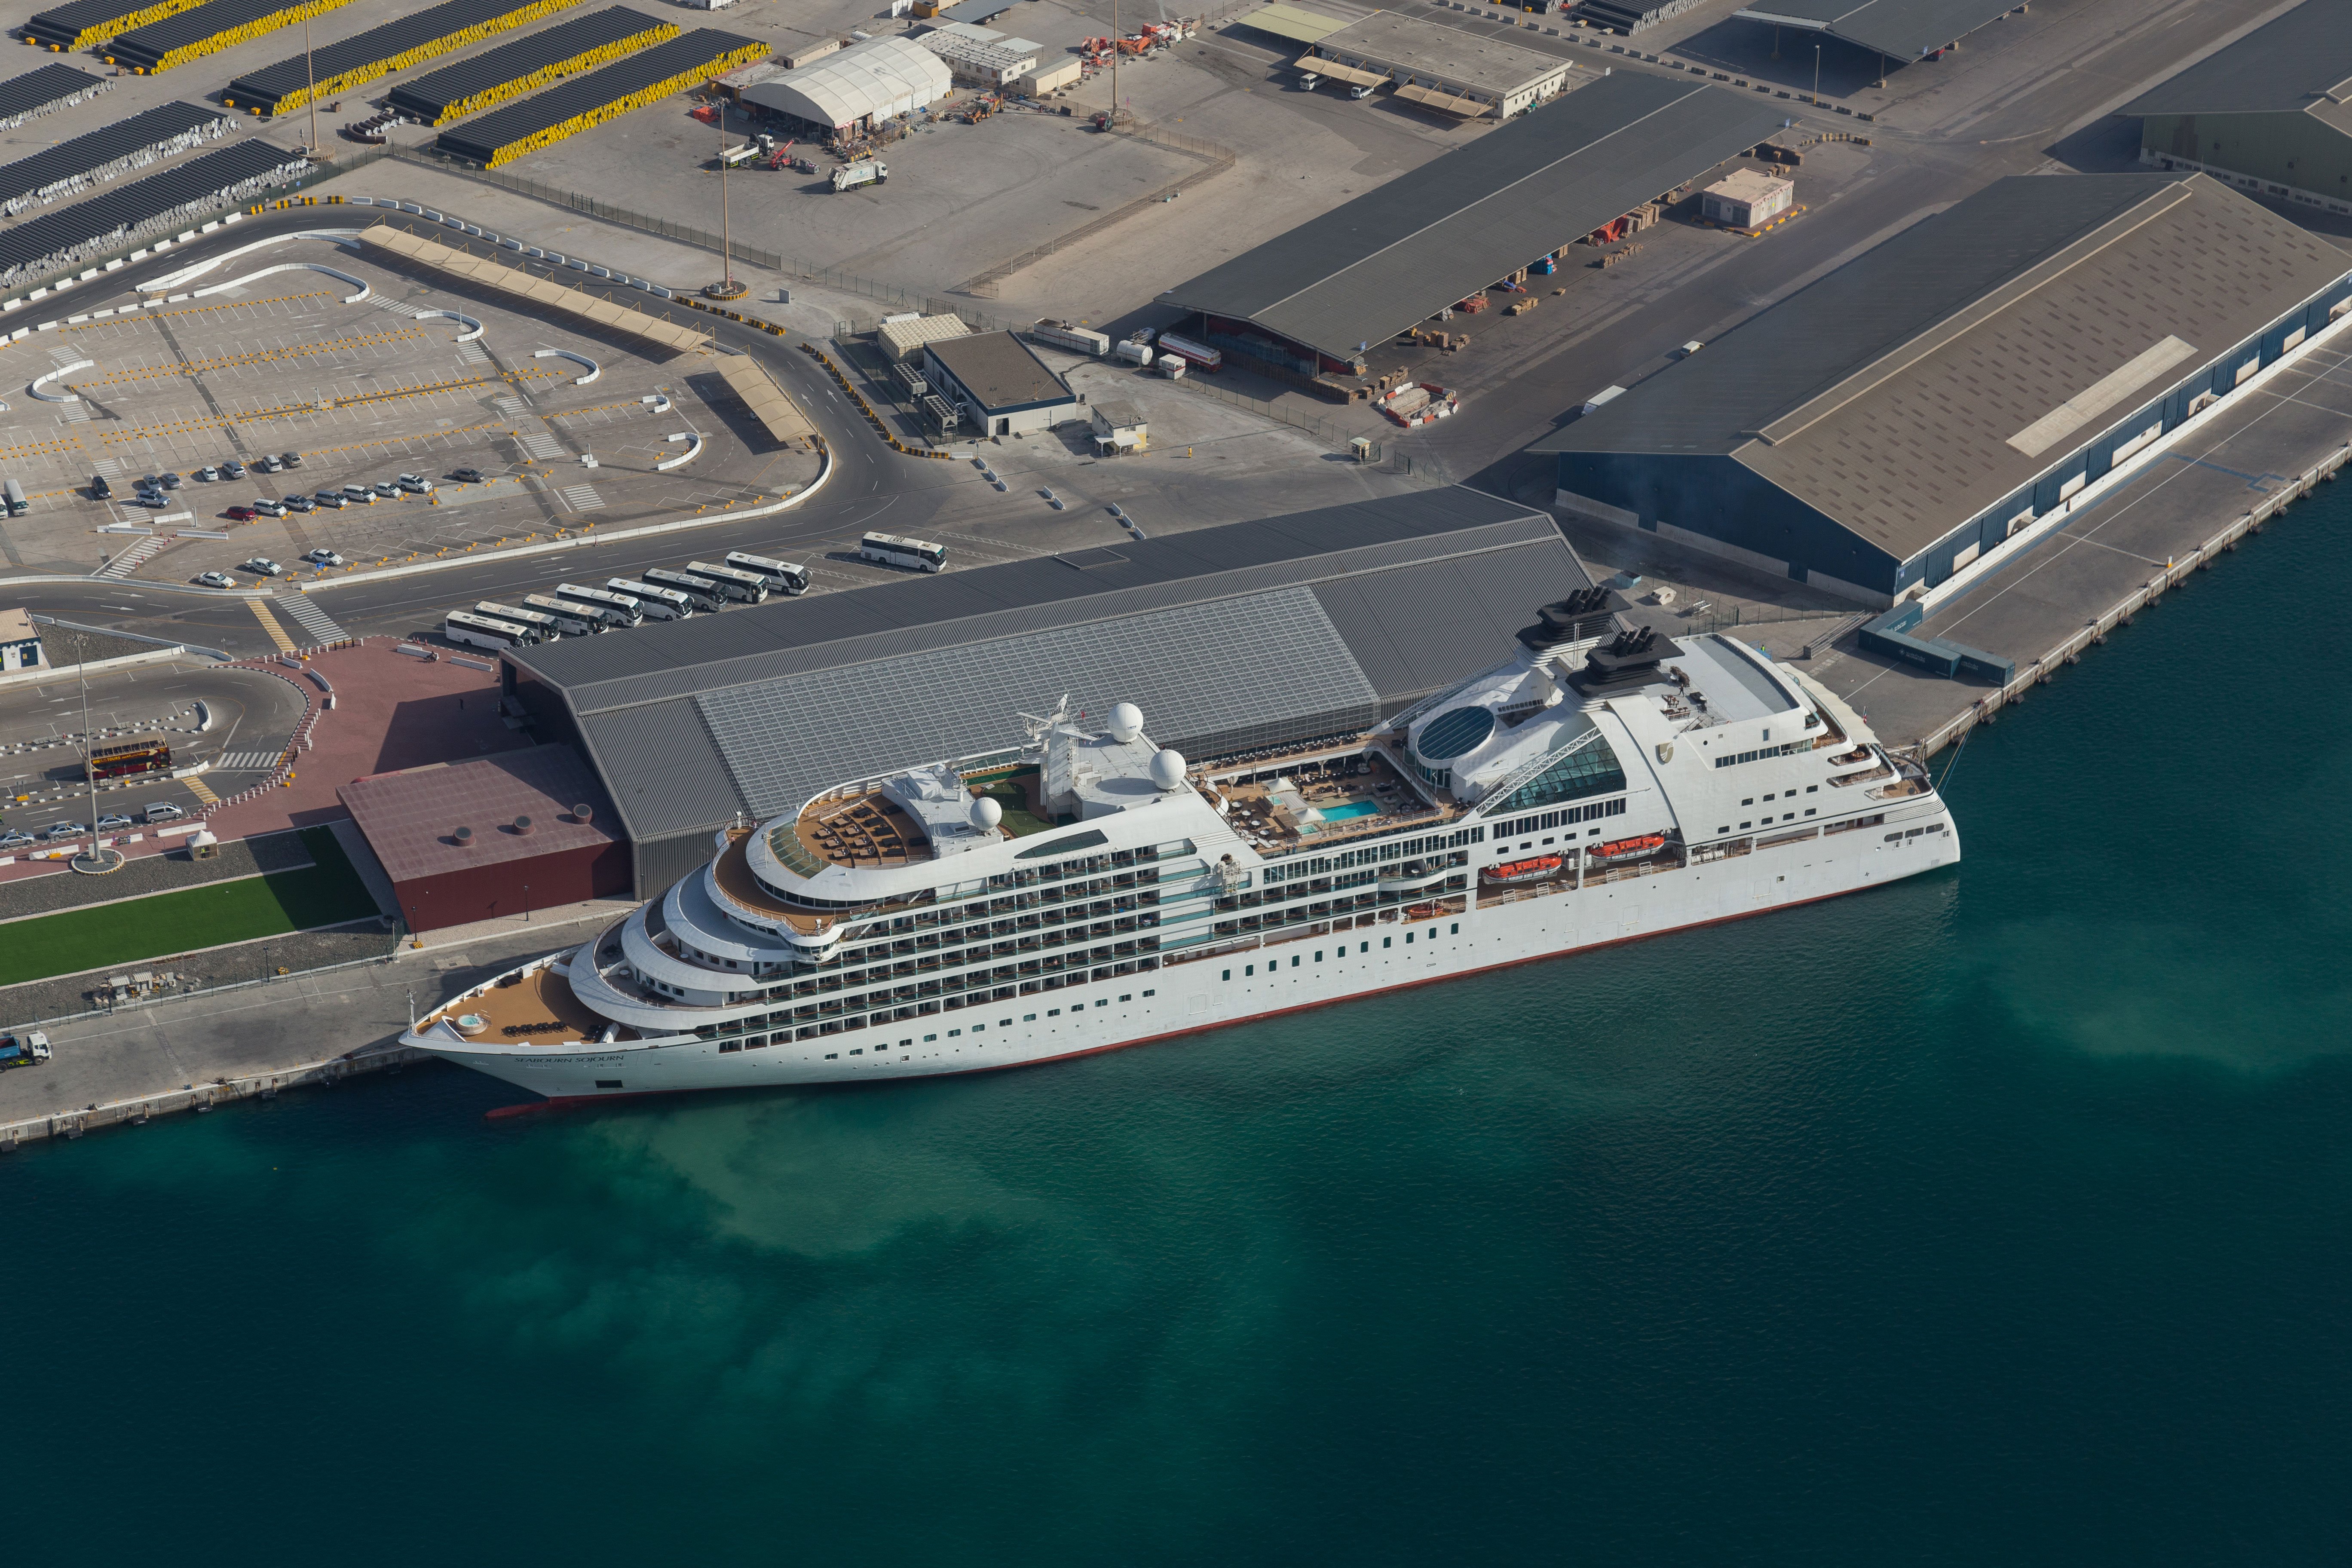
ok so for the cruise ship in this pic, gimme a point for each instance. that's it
(1083, 888)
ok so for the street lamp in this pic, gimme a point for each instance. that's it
(1817, 73)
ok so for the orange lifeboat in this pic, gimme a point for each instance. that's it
(1630, 848)
(1533, 868)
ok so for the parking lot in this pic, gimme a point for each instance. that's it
(362, 394)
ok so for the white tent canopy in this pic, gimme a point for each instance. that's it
(872, 80)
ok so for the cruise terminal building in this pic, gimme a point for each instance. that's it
(1895, 422)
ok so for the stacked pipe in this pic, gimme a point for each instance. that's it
(45, 91)
(684, 62)
(86, 24)
(206, 30)
(59, 241)
(396, 46)
(71, 167)
(529, 63)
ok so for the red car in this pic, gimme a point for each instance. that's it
(241, 514)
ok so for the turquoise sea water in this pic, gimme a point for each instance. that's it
(1999, 1216)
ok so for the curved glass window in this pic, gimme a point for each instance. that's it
(1590, 768)
(1449, 735)
(1068, 844)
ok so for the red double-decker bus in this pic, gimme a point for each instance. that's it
(129, 759)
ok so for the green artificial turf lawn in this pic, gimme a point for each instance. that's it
(324, 894)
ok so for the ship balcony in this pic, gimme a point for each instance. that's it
(737, 891)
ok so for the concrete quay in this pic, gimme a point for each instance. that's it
(252, 1039)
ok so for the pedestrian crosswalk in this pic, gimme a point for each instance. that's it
(198, 788)
(509, 406)
(249, 762)
(471, 353)
(270, 624)
(131, 560)
(546, 449)
(314, 619)
(581, 497)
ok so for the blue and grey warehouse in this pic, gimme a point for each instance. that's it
(1888, 425)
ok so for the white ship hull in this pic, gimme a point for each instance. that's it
(1360, 956)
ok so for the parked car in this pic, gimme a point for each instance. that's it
(12, 839)
(331, 498)
(162, 811)
(459, 476)
(269, 465)
(99, 489)
(292, 459)
(300, 502)
(263, 566)
(214, 580)
(416, 484)
(268, 508)
(114, 821)
(172, 481)
(322, 556)
(148, 482)
(208, 473)
(65, 831)
(233, 469)
(363, 494)
(240, 514)
(386, 489)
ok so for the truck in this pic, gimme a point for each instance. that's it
(30, 1048)
(1077, 340)
(865, 171)
(17, 505)
(1201, 355)
(781, 576)
(1607, 395)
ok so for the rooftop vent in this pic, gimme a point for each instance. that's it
(522, 825)
(583, 811)
(463, 838)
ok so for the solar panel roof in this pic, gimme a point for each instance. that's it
(2300, 59)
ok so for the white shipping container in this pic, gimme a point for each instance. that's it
(1077, 340)
(1172, 366)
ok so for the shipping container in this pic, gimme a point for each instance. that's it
(1077, 340)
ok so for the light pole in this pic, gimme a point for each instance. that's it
(1817, 73)
(726, 287)
(311, 69)
(92, 861)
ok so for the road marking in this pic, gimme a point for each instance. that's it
(270, 624)
(196, 787)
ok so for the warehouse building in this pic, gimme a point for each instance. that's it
(497, 836)
(1250, 633)
(2270, 113)
(1924, 406)
(1895, 30)
(1471, 75)
(980, 54)
(998, 384)
(1315, 299)
(859, 88)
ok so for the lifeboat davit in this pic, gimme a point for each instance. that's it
(1630, 848)
(1531, 870)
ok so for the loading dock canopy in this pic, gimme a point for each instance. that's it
(1899, 29)
(1438, 98)
(1317, 65)
(1290, 22)
(539, 290)
(782, 417)
(1369, 268)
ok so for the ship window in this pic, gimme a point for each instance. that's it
(904, 1044)
(1813, 789)
(953, 1033)
(859, 1052)
(1318, 956)
(1747, 825)
(1102, 1000)
(1363, 947)
(1749, 801)
(1388, 942)
(1053, 1012)
(928, 1038)
(879, 1046)
(1294, 960)
(1810, 810)
(1028, 1018)
(1725, 829)
(1548, 841)
(1589, 768)
(833, 1055)
(1408, 939)
(1152, 993)
(1007, 1023)
(726, 1046)
(1227, 975)
(1129, 997)
(977, 1028)
(1249, 969)
(1454, 930)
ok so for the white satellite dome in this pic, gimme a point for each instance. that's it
(986, 814)
(1167, 768)
(1126, 721)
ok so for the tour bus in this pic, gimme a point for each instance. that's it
(662, 604)
(129, 759)
(705, 594)
(481, 631)
(750, 587)
(572, 620)
(781, 575)
(549, 627)
(916, 554)
(612, 609)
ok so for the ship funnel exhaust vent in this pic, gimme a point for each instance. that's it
(1583, 616)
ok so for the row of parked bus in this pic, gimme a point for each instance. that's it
(662, 593)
